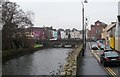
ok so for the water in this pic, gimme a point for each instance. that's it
(41, 62)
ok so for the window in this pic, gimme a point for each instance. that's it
(97, 31)
(97, 24)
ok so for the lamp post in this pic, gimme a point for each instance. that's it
(85, 31)
(83, 36)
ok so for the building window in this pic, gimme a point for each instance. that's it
(27, 33)
(32, 33)
(97, 24)
(97, 31)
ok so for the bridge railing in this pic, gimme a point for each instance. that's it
(50, 43)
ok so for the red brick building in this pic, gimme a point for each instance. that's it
(97, 29)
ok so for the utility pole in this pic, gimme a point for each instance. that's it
(83, 30)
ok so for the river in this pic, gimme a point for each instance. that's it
(41, 62)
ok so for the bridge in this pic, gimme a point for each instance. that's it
(62, 42)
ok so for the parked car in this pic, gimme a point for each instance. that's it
(110, 57)
(107, 48)
(94, 47)
(102, 46)
(98, 43)
(101, 43)
(100, 52)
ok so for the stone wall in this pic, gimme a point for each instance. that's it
(71, 67)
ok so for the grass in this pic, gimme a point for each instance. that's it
(38, 46)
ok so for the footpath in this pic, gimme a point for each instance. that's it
(88, 65)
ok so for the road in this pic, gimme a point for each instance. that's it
(89, 65)
(41, 62)
(112, 70)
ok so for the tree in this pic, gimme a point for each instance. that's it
(14, 22)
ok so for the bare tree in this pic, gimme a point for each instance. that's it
(14, 22)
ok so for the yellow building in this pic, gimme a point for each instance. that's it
(112, 42)
(109, 34)
(104, 35)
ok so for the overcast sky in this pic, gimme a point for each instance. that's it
(68, 13)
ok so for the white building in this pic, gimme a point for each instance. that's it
(63, 34)
(81, 34)
(75, 35)
(117, 31)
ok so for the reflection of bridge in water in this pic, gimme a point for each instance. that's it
(61, 42)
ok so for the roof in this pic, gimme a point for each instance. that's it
(110, 26)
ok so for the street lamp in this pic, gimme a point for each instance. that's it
(86, 24)
(83, 36)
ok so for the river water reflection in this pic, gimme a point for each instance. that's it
(41, 62)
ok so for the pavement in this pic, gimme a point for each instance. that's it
(88, 65)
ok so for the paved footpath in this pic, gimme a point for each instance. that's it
(88, 65)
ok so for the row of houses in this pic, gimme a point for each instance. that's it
(99, 30)
(48, 33)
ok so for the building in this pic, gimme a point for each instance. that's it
(97, 29)
(29, 34)
(109, 33)
(55, 34)
(75, 34)
(59, 33)
(67, 31)
(48, 32)
(81, 34)
(89, 34)
(38, 33)
(117, 31)
(42, 33)
(63, 34)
